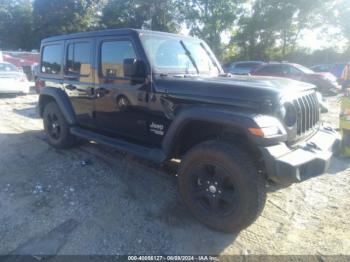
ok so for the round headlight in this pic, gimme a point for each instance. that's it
(290, 116)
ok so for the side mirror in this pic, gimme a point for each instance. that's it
(134, 69)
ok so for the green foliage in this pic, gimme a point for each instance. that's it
(15, 24)
(258, 29)
(159, 15)
(344, 20)
(272, 23)
(52, 17)
(208, 19)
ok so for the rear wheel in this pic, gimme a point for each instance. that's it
(221, 186)
(56, 127)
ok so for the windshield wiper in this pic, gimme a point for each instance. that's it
(211, 57)
(189, 55)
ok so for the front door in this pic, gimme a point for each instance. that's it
(121, 106)
(79, 80)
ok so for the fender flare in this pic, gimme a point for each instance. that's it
(62, 100)
(236, 120)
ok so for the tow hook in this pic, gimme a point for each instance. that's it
(313, 146)
(310, 146)
(329, 129)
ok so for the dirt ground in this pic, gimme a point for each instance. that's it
(94, 200)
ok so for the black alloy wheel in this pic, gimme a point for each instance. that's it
(213, 189)
(221, 186)
(56, 127)
(53, 126)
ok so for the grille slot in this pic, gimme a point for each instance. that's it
(308, 110)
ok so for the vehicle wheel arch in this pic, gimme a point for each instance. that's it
(214, 126)
(49, 94)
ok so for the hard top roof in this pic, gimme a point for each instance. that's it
(108, 32)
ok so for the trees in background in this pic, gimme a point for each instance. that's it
(209, 19)
(23, 23)
(16, 23)
(257, 29)
(55, 17)
(344, 21)
(161, 15)
(275, 23)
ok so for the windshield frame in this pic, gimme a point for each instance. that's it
(182, 39)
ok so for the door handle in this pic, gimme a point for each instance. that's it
(71, 87)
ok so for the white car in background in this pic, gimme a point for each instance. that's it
(12, 81)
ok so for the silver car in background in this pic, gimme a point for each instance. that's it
(12, 81)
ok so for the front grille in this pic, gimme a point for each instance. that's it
(308, 110)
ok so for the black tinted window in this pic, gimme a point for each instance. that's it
(51, 59)
(113, 54)
(271, 69)
(78, 59)
(247, 65)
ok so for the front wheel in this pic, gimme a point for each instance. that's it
(221, 186)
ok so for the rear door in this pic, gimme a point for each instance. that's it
(79, 79)
(51, 64)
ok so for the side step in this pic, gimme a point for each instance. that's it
(152, 154)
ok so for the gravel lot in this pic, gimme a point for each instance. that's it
(94, 200)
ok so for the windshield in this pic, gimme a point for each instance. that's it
(179, 55)
(304, 69)
(5, 67)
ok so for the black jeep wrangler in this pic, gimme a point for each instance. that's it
(162, 96)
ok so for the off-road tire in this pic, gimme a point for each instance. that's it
(63, 139)
(249, 185)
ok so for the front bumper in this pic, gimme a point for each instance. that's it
(311, 158)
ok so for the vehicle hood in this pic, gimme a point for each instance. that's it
(251, 91)
(324, 75)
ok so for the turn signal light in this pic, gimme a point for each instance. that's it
(256, 132)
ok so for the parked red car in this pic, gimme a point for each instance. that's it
(325, 82)
(24, 61)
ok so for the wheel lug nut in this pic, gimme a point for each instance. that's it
(216, 183)
(208, 182)
(219, 192)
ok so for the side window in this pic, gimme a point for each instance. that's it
(113, 54)
(278, 69)
(232, 66)
(78, 59)
(269, 69)
(51, 59)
